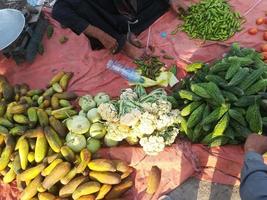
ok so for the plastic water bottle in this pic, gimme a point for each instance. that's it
(127, 73)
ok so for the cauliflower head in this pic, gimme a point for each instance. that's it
(152, 145)
(108, 112)
(147, 124)
(128, 94)
(117, 132)
(131, 118)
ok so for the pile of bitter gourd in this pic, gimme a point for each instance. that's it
(221, 103)
(211, 20)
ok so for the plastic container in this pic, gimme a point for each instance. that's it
(126, 72)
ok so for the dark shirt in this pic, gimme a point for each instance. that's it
(64, 11)
(253, 178)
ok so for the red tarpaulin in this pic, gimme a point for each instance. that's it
(179, 162)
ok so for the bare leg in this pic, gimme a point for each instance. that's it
(135, 41)
(132, 51)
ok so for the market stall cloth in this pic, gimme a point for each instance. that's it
(179, 162)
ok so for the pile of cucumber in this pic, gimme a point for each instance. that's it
(224, 102)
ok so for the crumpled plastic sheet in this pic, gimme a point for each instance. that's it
(182, 160)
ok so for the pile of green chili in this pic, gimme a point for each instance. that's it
(211, 20)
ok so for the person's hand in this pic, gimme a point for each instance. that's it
(108, 41)
(177, 5)
(256, 143)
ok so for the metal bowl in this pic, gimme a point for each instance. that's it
(12, 23)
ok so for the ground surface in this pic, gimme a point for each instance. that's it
(194, 189)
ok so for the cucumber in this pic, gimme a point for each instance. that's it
(219, 141)
(254, 119)
(200, 91)
(216, 79)
(185, 94)
(236, 115)
(239, 77)
(257, 87)
(252, 78)
(196, 116)
(233, 69)
(235, 90)
(218, 130)
(218, 67)
(216, 114)
(247, 100)
(190, 108)
(229, 96)
(214, 92)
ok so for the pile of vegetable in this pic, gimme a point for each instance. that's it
(33, 151)
(139, 117)
(211, 20)
(136, 117)
(156, 73)
(221, 102)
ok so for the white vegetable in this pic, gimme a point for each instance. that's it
(109, 142)
(101, 98)
(86, 102)
(75, 142)
(78, 124)
(147, 124)
(108, 112)
(93, 145)
(152, 145)
(98, 130)
(93, 115)
(131, 119)
(128, 94)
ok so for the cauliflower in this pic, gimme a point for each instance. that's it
(132, 140)
(176, 114)
(128, 94)
(164, 121)
(152, 145)
(147, 124)
(117, 132)
(131, 118)
(164, 107)
(158, 107)
(108, 112)
(170, 136)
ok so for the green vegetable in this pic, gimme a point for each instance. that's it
(239, 77)
(185, 94)
(236, 115)
(78, 124)
(254, 119)
(247, 100)
(93, 145)
(194, 67)
(200, 91)
(252, 78)
(216, 114)
(196, 116)
(75, 142)
(214, 92)
(190, 108)
(150, 67)
(257, 87)
(211, 20)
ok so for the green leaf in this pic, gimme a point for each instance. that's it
(194, 67)
(173, 69)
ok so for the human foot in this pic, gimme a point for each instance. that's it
(108, 41)
(135, 41)
(132, 51)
